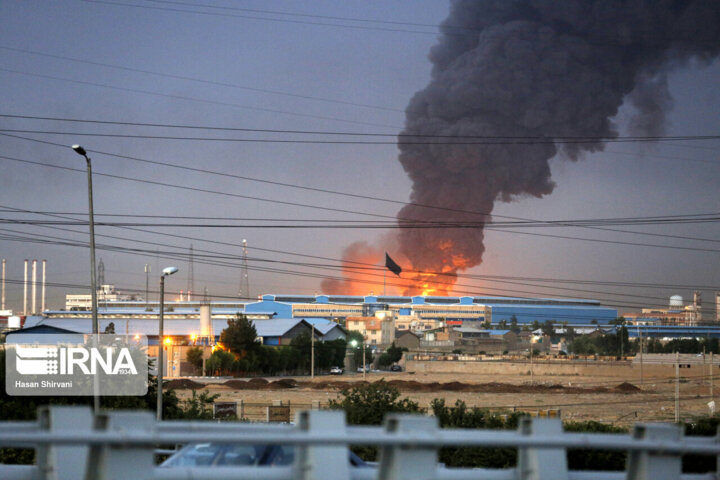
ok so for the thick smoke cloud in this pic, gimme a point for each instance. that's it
(541, 69)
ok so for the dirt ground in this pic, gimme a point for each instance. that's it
(605, 399)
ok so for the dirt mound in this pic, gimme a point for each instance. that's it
(183, 383)
(276, 386)
(626, 387)
(238, 384)
(257, 381)
(454, 386)
(286, 383)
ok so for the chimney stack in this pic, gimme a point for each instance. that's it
(42, 302)
(25, 290)
(34, 288)
(3, 285)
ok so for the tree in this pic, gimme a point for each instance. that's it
(460, 416)
(368, 404)
(240, 336)
(392, 355)
(194, 357)
(220, 362)
(198, 407)
(548, 328)
(514, 324)
(502, 324)
(110, 328)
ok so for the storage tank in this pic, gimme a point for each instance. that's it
(676, 301)
(206, 329)
(14, 322)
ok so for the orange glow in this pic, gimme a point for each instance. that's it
(193, 337)
(168, 340)
(137, 337)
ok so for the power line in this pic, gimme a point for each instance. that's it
(481, 140)
(557, 137)
(199, 80)
(375, 266)
(193, 99)
(325, 208)
(214, 259)
(224, 175)
(268, 19)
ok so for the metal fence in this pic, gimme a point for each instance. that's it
(72, 443)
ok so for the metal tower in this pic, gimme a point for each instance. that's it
(191, 275)
(244, 290)
(147, 285)
(101, 273)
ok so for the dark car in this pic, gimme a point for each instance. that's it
(235, 454)
(395, 368)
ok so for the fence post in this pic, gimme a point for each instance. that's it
(60, 463)
(407, 462)
(654, 465)
(122, 461)
(537, 463)
(322, 462)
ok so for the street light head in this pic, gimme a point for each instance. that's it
(80, 150)
(169, 271)
(353, 343)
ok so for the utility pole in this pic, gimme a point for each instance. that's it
(532, 373)
(312, 351)
(712, 396)
(364, 364)
(640, 339)
(677, 387)
(147, 285)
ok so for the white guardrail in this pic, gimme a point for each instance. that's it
(71, 443)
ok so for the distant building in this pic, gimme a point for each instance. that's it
(423, 313)
(377, 330)
(407, 339)
(105, 294)
(677, 314)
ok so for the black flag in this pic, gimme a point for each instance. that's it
(391, 265)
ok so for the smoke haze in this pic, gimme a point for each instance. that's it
(542, 69)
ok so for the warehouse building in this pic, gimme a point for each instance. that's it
(426, 312)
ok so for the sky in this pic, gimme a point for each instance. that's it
(284, 67)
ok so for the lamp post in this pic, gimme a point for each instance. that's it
(81, 151)
(354, 344)
(93, 284)
(166, 271)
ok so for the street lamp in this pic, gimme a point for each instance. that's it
(166, 271)
(354, 344)
(81, 151)
(93, 284)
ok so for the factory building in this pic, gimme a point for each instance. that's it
(427, 312)
(677, 313)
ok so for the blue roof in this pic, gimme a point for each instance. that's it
(324, 326)
(498, 332)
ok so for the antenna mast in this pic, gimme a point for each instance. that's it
(244, 291)
(191, 275)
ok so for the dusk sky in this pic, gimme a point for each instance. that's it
(351, 67)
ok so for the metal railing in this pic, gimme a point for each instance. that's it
(71, 443)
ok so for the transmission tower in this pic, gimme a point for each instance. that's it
(244, 291)
(191, 275)
(101, 273)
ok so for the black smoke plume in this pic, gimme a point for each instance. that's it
(545, 70)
